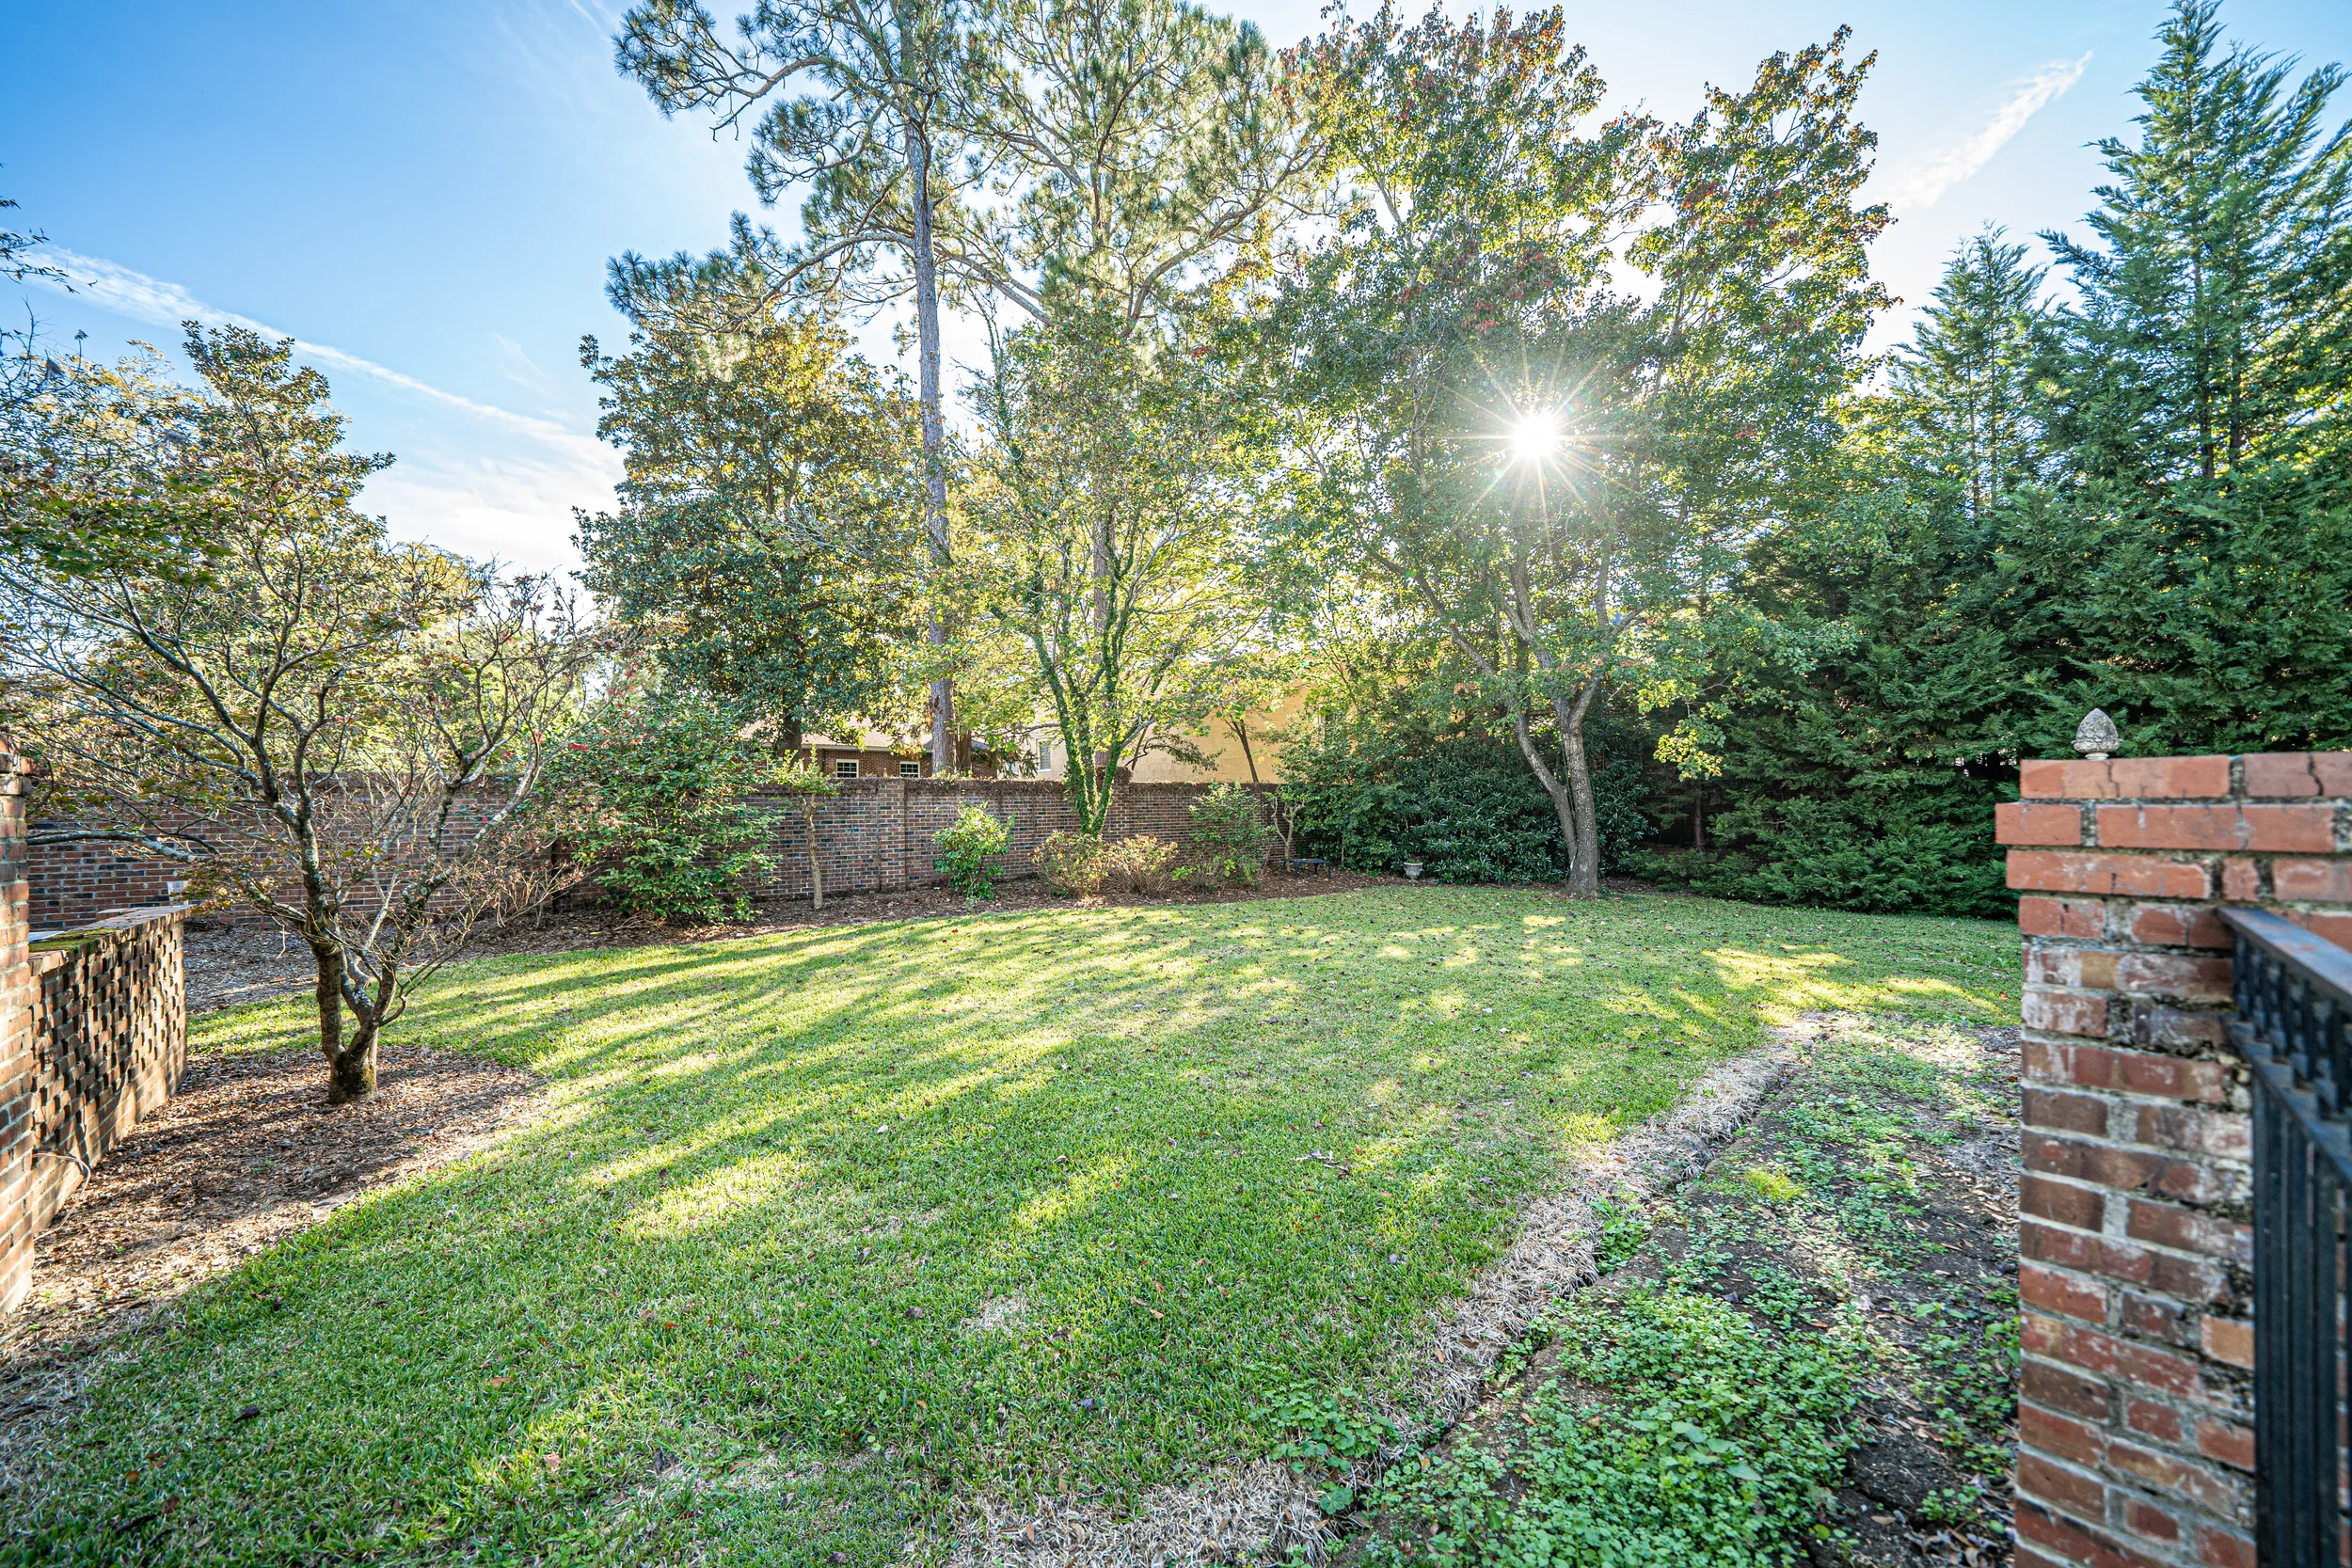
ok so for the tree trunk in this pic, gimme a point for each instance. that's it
(816, 870)
(1698, 817)
(1584, 848)
(1562, 796)
(350, 1066)
(934, 438)
(352, 1074)
(330, 999)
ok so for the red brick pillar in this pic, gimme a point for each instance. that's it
(2134, 1426)
(17, 1075)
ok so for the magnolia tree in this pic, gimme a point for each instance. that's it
(343, 735)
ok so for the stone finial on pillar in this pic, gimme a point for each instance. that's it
(2096, 737)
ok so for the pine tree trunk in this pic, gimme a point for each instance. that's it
(934, 438)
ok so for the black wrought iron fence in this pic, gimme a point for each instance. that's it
(2295, 1025)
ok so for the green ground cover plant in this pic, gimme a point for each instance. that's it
(825, 1231)
(1746, 1380)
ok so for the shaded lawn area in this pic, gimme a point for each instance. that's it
(829, 1227)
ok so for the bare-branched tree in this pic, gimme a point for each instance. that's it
(340, 734)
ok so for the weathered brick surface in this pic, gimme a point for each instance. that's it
(2135, 1437)
(17, 1079)
(874, 836)
(2108, 876)
(2026, 822)
(93, 1035)
(2127, 779)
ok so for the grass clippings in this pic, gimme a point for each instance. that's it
(1227, 1158)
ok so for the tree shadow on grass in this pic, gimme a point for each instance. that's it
(1043, 1203)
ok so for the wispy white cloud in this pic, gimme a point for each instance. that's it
(513, 501)
(517, 366)
(1921, 181)
(135, 295)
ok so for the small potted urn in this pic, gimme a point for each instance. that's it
(1412, 871)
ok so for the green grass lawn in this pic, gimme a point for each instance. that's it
(844, 1222)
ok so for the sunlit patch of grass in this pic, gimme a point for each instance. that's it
(781, 1174)
(1772, 1184)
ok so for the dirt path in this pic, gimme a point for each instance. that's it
(1812, 1347)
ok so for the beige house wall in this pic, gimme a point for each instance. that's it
(1216, 740)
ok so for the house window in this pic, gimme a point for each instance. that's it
(909, 769)
(1045, 756)
(845, 767)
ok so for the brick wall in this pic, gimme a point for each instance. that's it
(2135, 1424)
(110, 1039)
(876, 835)
(71, 884)
(17, 1077)
(104, 1043)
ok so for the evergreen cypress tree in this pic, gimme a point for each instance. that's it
(2206, 545)
(2140, 503)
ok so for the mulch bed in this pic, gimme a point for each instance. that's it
(247, 1154)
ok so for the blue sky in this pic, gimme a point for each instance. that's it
(424, 193)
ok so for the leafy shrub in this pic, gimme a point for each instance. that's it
(652, 795)
(1229, 838)
(1070, 862)
(1074, 863)
(1469, 819)
(1139, 864)
(970, 849)
(1891, 854)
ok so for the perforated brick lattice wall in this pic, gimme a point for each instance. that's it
(17, 1228)
(109, 1036)
(93, 1036)
(2136, 1438)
